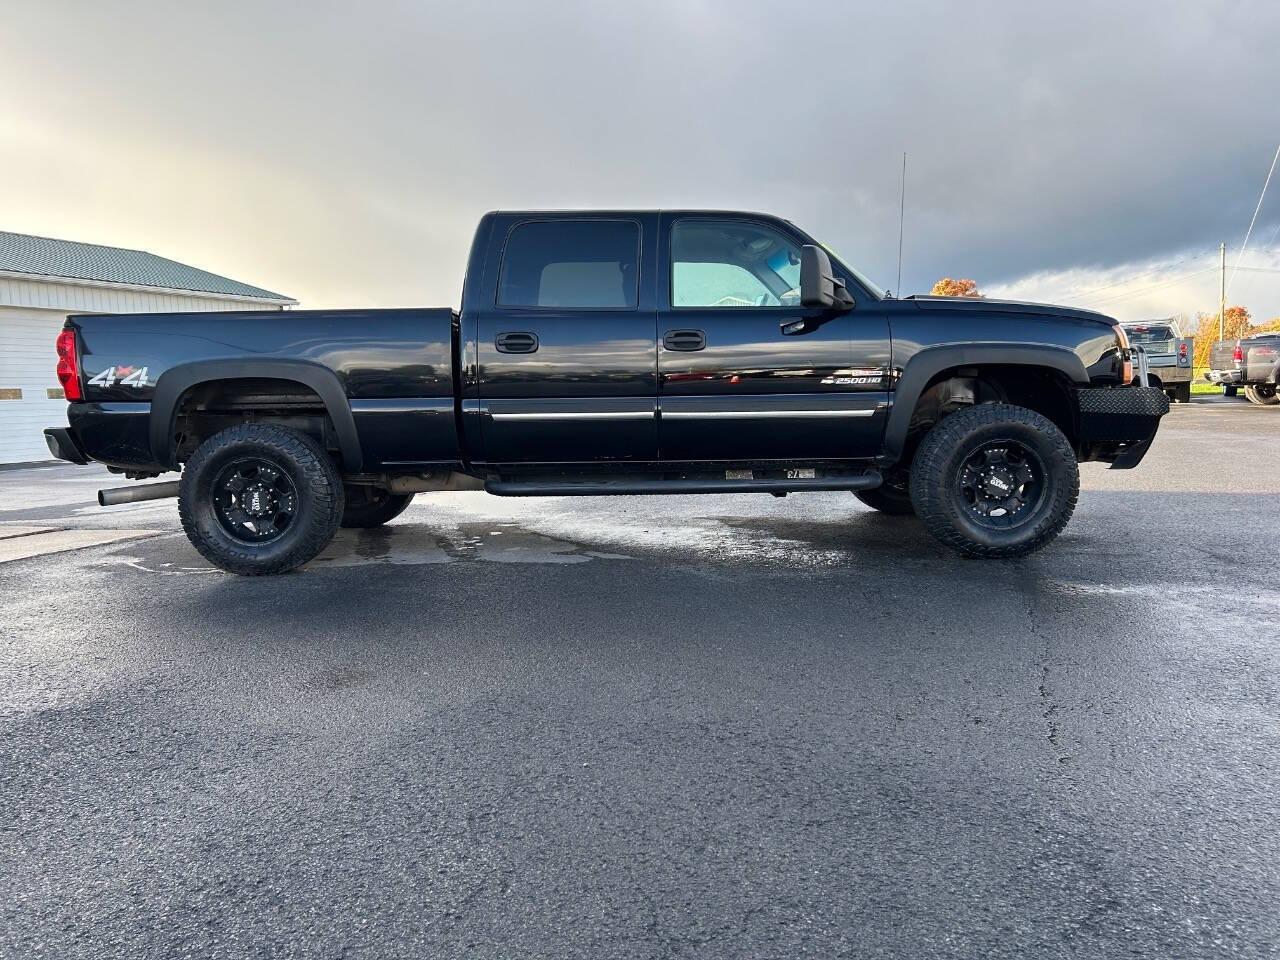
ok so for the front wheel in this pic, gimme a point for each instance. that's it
(995, 480)
(259, 498)
(1263, 394)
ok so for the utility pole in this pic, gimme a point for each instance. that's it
(1222, 304)
(902, 209)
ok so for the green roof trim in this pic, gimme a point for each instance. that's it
(43, 256)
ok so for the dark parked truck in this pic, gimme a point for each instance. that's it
(610, 353)
(1169, 356)
(1252, 363)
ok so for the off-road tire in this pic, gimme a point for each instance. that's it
(373, 507)
(1264, 396)
(937, 469)
(892, 497)
(308, 467)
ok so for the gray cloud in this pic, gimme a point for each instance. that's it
(350, 147)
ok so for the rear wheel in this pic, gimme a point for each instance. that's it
(372, 507)
(259, 498)
(995, 480)
(1263, 394)
(1228, 391)
(1182, 393)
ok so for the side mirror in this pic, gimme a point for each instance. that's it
(818, 285)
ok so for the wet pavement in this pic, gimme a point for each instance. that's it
(654, 727)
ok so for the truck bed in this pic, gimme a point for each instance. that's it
(389, 364)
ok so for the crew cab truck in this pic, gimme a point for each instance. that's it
(1252, 363)
(609, 352)
(1169, 355)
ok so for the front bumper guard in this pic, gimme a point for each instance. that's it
(1121, 420)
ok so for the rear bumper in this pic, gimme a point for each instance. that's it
(1117, 424)
(1224, 376)
(64, 445)
(116, 434)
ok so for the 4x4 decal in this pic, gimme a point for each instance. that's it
(125, 376)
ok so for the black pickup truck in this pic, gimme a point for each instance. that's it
(609, 352)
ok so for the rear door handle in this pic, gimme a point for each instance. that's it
(516, 342)
(684, 341)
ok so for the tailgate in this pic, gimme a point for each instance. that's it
(1260, 360)
(1222, 355)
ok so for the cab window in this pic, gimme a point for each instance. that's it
(729, 263)
(571, 265)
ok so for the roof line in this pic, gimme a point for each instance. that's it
(143, 287)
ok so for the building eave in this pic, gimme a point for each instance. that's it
(144, 288)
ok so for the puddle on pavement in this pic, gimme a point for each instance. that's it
(398, 544)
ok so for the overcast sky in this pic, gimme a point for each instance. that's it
(341, 152)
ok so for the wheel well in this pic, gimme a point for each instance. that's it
(209, 407)
(1042, 389)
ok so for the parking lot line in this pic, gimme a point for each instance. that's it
(37, 544)
(19, 531)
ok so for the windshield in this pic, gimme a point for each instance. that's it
(873, 288)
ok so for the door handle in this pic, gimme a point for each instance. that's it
(791, 328)
(516, 342)
(684, 341)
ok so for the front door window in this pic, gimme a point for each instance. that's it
(731, 264)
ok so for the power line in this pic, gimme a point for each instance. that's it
(1146, 273)
(1254, 218)
(1274, 234)
(1150, 288)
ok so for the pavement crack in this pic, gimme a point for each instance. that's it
(1050, 707)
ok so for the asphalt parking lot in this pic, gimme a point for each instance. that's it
(658, 727)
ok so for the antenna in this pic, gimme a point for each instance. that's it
(902, 209)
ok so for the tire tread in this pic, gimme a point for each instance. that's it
(323, 486)
(929, 482)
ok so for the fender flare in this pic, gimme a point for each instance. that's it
(173, 383)
(930, 361)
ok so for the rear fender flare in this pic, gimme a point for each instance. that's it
(177, 381)
(929, 362)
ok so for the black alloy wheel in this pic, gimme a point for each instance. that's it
(254, 500)
(1001, 484)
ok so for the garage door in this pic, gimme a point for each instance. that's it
(27, 378)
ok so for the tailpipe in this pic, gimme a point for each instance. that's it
(149, 491)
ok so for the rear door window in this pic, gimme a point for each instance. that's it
(571, 265)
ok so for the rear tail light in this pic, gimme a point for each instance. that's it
(1238, 355)
(68, 365)
(1182, 351)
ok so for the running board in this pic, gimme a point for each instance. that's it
(559, 487)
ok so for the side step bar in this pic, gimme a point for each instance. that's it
(559, 487)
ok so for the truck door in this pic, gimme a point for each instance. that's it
(565, 361)
(739, 377)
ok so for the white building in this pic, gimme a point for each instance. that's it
(43, 280)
